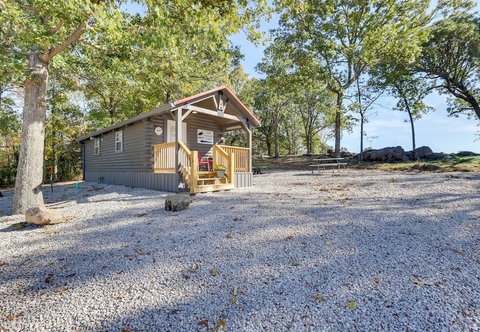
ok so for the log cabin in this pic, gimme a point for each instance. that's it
(177, 147)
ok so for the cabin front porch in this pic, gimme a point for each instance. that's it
(235, 159)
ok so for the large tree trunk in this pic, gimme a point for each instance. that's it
(338, 124)
(29, 180)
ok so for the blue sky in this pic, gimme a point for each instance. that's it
(435, 129)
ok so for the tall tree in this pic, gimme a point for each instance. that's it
(277, 86)
(346, 37)
(43, 30)
(262, 101)
(315, 107)
(366, 94)
(410, 92)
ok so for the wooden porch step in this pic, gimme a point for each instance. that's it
(213, 187)
(211, 181)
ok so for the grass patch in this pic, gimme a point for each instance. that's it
(457, 164)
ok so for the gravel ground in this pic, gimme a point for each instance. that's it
(359, 251)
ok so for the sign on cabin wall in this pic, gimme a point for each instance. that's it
(204, 136)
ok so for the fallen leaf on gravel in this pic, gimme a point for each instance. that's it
(319, 298)
(3, 264)
(63, 291)
(12, 317)
(221, 323)
(233, 300)
(203, 322)
(121, 296)
(49, 278)
(289, 237)
(214, 272)
(125, 330)
(145, 253)
(352, 305)
(229, 236)
(420, 283)
(328, 242)
(67, 219)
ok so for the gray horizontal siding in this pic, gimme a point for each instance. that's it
(135, 157)
(155, 181)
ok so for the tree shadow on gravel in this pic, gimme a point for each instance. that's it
(296, 260)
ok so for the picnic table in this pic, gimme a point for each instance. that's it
(328, 162)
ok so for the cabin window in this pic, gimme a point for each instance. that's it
(119, 141)
(96, 146)
(171, 131)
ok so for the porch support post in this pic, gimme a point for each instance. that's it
(178, 136)
(248, 130)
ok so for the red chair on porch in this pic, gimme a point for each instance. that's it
(205, 161)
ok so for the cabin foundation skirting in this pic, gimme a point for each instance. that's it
(156, 181)
(243, 179)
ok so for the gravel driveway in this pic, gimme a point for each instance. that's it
(355, 251)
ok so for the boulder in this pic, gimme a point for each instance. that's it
(346, 154)
(43, 216)
(423, 152)
(389, 154)
(440, 155)
(177, 202)
(466, 154)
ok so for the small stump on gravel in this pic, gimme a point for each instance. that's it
(177, 202)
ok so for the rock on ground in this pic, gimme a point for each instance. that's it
(43, 216)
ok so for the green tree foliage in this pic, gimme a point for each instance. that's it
(277, 89)
(367, 92)
(64, 124)
(43, 30)
(344, 38)
(315, 106)
(451, 56)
